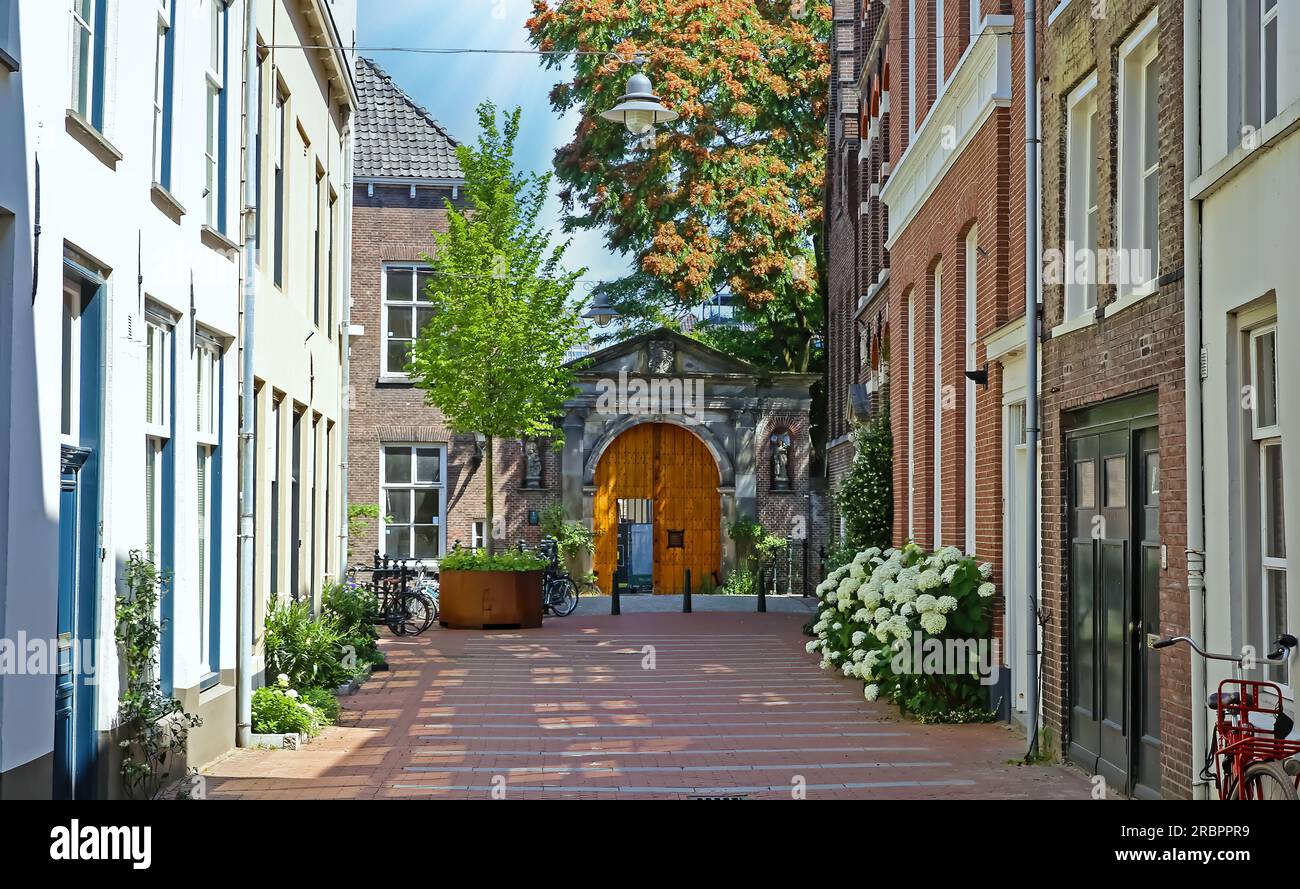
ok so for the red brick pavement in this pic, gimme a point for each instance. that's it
(733, 705)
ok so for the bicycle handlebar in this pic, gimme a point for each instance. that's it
(1283, 643)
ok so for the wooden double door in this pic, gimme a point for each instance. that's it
(1115, 559)
(672, 468)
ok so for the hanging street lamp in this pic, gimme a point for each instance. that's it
(601, 311)
(639, 109)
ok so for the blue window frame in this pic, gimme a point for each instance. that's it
(89, 24)
(210, 418)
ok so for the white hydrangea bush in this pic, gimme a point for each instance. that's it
(872, 608)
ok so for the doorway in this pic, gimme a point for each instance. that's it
(1115, 556)
(635, 571)
(75, 747)
(659, 482)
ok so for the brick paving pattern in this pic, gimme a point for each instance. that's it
(732, 706)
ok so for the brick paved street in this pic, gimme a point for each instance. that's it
(733, 705)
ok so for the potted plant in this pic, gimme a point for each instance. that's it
(480, 590)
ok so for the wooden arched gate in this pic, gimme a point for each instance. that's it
(669, 466)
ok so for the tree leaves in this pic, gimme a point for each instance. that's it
(729, 198)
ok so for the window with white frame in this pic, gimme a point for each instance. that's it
(279, 157)
(971, 304)
(88, 18)
(406, 310)
(207, 360)
(478, 534)
(937, 445)
(412, 493)
(157, 423)
(1081, 200)
(1269, 525)
(939, 38)
(161, 92)
(70, 391)
(911, 68)
(214, 78)
(1139, 158)
(8, 45)
(1268, 28)
(911, 416)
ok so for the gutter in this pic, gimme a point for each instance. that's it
(345, 331)
(247, 401)
(1194, 413)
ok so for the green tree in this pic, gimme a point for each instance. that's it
(492, 356)
(728, 200)
(865, 497)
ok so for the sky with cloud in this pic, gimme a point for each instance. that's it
(450, 86)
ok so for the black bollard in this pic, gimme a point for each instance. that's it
(762, 590)
(686, 594)
(614, 606)
(805, 567)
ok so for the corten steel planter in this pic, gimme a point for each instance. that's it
(474, 600)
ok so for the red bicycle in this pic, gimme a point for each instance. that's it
(1253, 752)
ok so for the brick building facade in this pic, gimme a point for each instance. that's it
(955, 237)
(402, 455)
(855, 227)
(1112, 393)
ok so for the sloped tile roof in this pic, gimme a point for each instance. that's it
(395, 136)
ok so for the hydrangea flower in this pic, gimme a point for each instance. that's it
(812, 646)
(933, 622)
(857, 637)
(871, 692)
(925, 602)
(947, 604)
(928, 579)
(986, 590)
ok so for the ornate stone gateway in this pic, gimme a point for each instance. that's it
(669, 466)
(666, 443)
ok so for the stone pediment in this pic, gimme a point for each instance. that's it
(661, 352)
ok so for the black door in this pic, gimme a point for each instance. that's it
(1115, 555)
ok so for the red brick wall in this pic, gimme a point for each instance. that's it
(390, 226)
(1134, 351)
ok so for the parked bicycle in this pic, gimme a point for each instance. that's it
(406, 609)
(559, 592)
(1254, 753)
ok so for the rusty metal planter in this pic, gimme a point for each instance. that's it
(473, 600)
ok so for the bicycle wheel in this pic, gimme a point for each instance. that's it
(563, 596)
(422, 610)
(1264, 780)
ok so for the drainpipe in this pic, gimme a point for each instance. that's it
(345, 333)
(247, 403)
(1192, 379)
(1031, 372)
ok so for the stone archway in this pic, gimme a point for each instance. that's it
(670, 466)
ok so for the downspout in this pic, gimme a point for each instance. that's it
(1193, 407)
(1031, 373)
(247, 402)
(345, 333)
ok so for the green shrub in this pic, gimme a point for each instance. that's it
(865, 498)
(352, 611)
(914, 626)
(324, 701)
(278, 709)
(308, 650)
(509, 560)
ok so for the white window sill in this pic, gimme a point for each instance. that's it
(394, 378)
(1132, 298)
(1078, 322)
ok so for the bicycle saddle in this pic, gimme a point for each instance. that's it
(1230, 699)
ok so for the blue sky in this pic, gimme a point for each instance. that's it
(450, 86)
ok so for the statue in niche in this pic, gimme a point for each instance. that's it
(532, 464)
(780, 447)
(661, 357)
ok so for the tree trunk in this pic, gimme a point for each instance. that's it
(490, 534)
